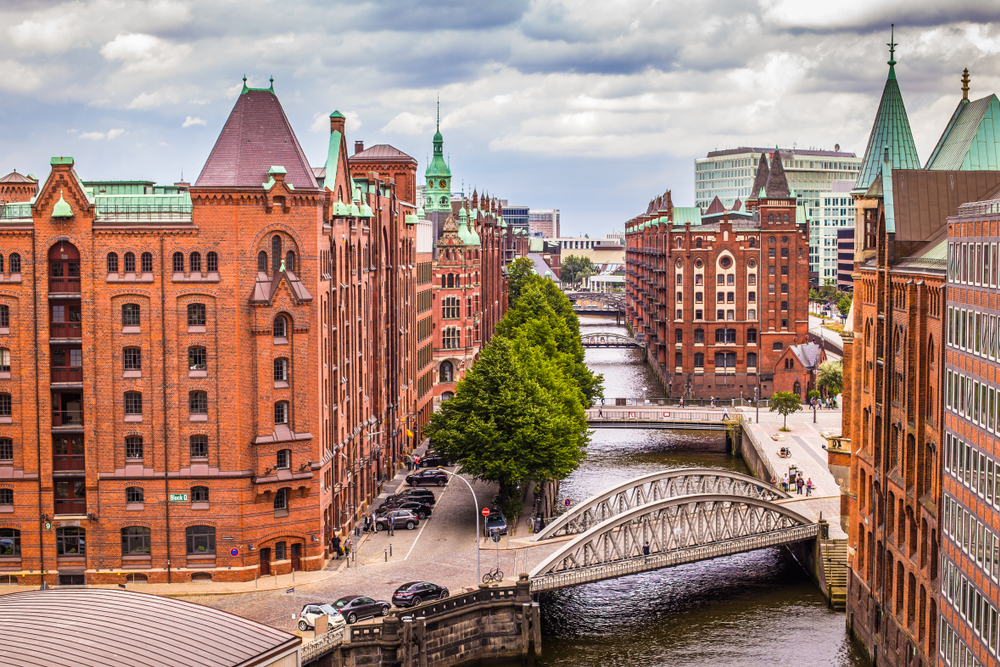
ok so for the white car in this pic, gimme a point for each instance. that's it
(310, 612)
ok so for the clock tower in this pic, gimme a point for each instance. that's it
(438, 197)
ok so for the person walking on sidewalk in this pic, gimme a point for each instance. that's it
(784, 483)
(335, 544)
(809, 486)
(347, 547)
(799, 484)
(409, 463)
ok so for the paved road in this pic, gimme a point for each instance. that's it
(816, 328)
(442, 550)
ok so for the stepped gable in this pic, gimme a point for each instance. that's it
(256, 137)
(760, 180)
(777, 182)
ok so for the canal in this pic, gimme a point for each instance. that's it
(757, 608)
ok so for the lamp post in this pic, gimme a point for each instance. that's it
(475, 503)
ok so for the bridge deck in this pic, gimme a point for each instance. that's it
(661, 418)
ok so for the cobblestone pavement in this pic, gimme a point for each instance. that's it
(442, 549)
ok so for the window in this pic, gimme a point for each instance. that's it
(752, 360)
(5, 409)
(199, 446)
(133, 447)
(4, 316)
(71, 541)
(678, 336)
(279, 549)
(200, 540)
(281, 370)
(130, 315)
(450, 307)
(751, 335)
(751, 314)
(146, 262)
(699, 359)
(753, 242)
(275, 253)
(699, 336)
(135, 540)
(446, 372)
(678, 359)
(132, 358)
(134, 494)
(262, 261)
(784, 305)
(6, 496)
(4, 360)
(197, 358)
(6, 449)
(133, 403)
(777, 347)
(770, 253)
(15, 263)
(198, 402)
(751, 296)
(784, 253)
(290, 261)
(281, 500)
(771, 240)
(281, 412)
(196, 262)
(10, 542)
(199, 494)
(450, 338)
(280, 327)
(284, 459)
(720, 297)
(178, 262)
(770, 270)
(196, 314)
(784, 288)
(212, 261)
(112, 262)
(129, 263)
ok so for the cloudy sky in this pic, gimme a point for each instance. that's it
(589, 106)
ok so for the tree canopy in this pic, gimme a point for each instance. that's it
(573, 269)
(518, 273)
(785, 403)
(831, 377)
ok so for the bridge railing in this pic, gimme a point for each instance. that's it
(647, 415)
(675, 402)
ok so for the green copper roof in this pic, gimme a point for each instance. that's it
(62, 209)
(683, 214)
(969, 142)
(337, 114)
(247, 89)
(61, 160)
(438, 167)
(891, 129)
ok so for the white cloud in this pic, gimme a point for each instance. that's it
(194, 120)
(18, 77)
(97, 136)
(142, 53)
(52, 34)
(408, 123)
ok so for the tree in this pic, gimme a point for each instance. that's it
(518, 273)
(574, 269)
(814, 296)
(844, 303)
(831, 377)
(785, 403)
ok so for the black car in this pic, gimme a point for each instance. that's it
(433, 460)
(402, 519)
(428, 477)
(425, 496)
(422, 510)
(355, 607)
(415, 592)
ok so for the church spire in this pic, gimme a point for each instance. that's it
(892, 51)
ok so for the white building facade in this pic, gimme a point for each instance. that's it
(835, 211)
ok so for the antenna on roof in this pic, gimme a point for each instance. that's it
(439, 113)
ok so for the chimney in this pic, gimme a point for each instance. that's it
(358, 147)
(337, 121)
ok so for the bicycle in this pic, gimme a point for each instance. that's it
(493, 575)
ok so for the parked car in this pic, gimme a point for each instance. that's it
(433, 460)
(425, 496)
(310, 612)
(422, 510)
(415, 592)
(403, 519)
(495, 522)
(429, 477)
(356, 607)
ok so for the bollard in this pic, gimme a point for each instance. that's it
(390, 549)
(385, 554)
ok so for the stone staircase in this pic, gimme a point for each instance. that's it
(834, 556)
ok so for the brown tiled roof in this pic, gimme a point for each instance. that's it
(98, 627)
(381, 153)
(760, 180)
(736, 205)
(256, 137)
(715, 207)
(777, 182)
(923, 199)
(14, 177)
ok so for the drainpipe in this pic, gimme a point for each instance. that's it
(38, 418)
(166, 448)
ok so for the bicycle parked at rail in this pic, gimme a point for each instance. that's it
(493, 575)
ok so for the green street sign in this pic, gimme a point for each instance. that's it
(178, 497)
(48, 525)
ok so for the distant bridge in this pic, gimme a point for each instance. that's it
(660, 418)
(608, 339)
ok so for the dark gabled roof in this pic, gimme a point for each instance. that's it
(760, 180)
(381, 153)
(922, 199)
(715, 207)
(14, 177)
(808, 354)
(777, 182)
(736, 205)
(256, 137)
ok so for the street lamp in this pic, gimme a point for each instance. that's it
(475, 503)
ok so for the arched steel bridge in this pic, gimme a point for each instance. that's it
(684, 515)
(652, 488)
(607, 339)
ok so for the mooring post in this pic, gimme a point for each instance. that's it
(406, 659)
(422, 641)
(536, 624)
(525, 629)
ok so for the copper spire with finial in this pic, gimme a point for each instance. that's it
(965, 84)
(892, 50)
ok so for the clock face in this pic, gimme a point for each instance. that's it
(443, 183)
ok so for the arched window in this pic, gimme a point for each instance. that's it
(196, 262)
(137, 577)
(280, 327)
(281, 370)
(197, 358)
(797, 388)
(200, 540)
(262, 262)
(135, 494)
(281, 412)
(770, 217)
(275, 253)
(178, 262)
(130, 315)
(199, 494)
(213, 262)
(697, 242)
(753, 242)
(199, 446)
(132, 358)
(198, 402)
(281, 500)
(71, 541)
(444, 281)
(446, 371)
(290, 261)
(133, 403)
(283, 460)
(146, 262)
(451, 280)
(129, 262)
(10, 542)
(135, 541)
(112, 262)
(15, 263)
(751, 335)
(196, 314)
(786, 217)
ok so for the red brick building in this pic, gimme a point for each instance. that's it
(717, 297)
(205, 381)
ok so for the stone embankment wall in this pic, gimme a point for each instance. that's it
(489, 624)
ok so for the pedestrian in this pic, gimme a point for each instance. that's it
(645, 550)
(680, 403)
(335, 544)
(784, 483)
(347, 547)
(774, 481)
(416, 462)
(809, 486)
(600, 413)
(392, 524)
(713, 402)
(409, 463)
(725, 414)
(799, 484)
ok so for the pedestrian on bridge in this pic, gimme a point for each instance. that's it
(799, 483)
(809, 486)
(600, 413)
(784, 483)
(713, 402)
(645, 550)
(725, 414)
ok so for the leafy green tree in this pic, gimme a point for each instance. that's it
(515, 416)
(785, 403)
(518, 273)
(831, 377)
(844, 303)
(814, 295)
(574, 269)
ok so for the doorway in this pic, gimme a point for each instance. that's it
(265, 561)
(296, 557)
